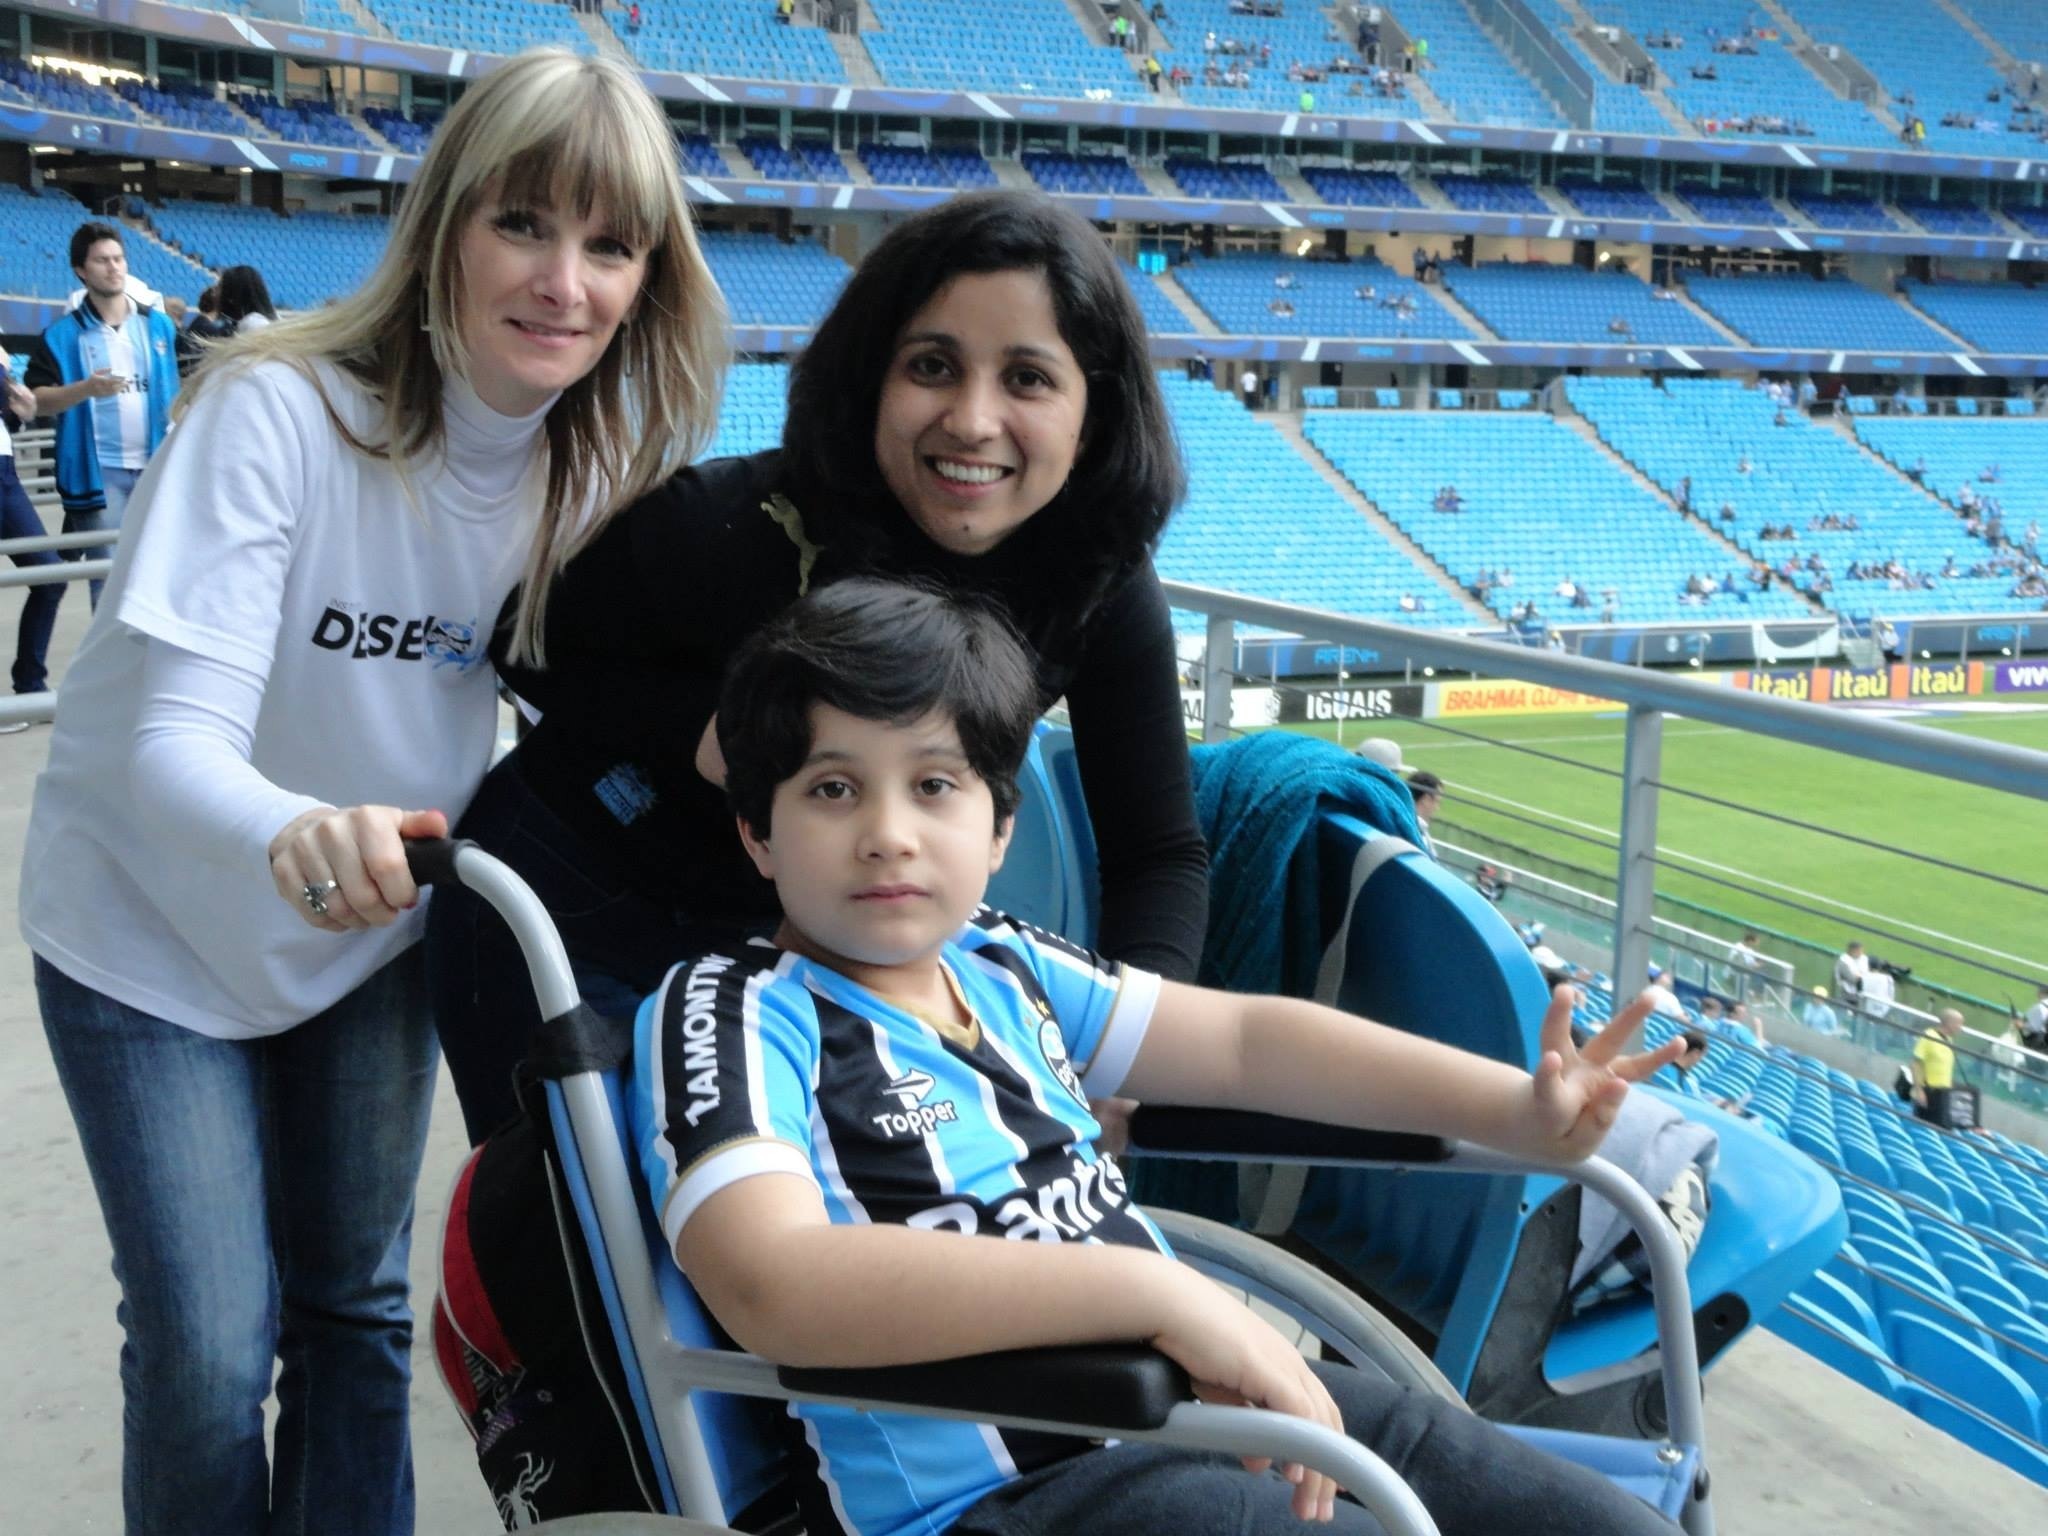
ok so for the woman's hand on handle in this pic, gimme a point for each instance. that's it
(361, 850)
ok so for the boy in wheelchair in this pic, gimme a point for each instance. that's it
(833, 1125)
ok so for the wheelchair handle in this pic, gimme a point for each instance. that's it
(431, 860)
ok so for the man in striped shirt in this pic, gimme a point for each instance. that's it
(834, 1125)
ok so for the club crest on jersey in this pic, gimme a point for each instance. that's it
(915, 1118)
(365, 636)
(1053, 1046)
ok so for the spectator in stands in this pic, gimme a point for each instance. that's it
(107, 370)
(1248, 388)
(1685, 493)
(1742, 465)
(1738, 1013)
(1852, 968)
(1428, 792)
(1408, 603)
(1818, 1016)
(228, 974)
(979, 409)
(1153, 70)
(1158, 12)
(2034, 1026)
(1660, 997)
(1934, 1067)
(1448, 500)
(1618, 326)
(18, 520)
(1119, 30)
(1727, 512)
(785, 12)
(1695, 1052)
(245, 305)
(1918, 473)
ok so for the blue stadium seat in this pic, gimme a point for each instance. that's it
(1950, 1361)
(768, 282)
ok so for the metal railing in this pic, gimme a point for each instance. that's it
(1648, 698)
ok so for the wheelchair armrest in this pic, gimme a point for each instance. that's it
(1233, 1134)
(1117, 1386)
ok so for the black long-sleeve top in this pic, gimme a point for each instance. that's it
(642, 622)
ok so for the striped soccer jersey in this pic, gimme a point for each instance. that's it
(772, 1063)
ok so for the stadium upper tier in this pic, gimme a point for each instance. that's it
(1264, 50)
(1279, 296)
(1764, 92)
(751, 415)
(1259, 519)
(1945, 1273)
(305, 260)
(484, 26)
(727, 39)
(1725, 439)
(1084, 173)
(1469, 73)
(1162, 317)
(35, 248)
(1617, 108)
(1779, 311)
(1533, 302)
(1023, 47)
(1928, 63)
(1539, 501)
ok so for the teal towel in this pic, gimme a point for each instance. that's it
(1257, 798)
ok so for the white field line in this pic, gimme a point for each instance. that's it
(1725, 869)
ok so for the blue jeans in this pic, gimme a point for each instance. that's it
(258, 1195)
(119, 485)
(18, 520)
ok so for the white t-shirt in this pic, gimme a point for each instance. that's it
(1850, 973)
(259, 539)
(1665, 1001)
(120, 423)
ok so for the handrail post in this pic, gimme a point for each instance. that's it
(1635, 886)
(1217, 664)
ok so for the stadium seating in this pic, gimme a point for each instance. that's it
(803, 160)
(1239, 180)
(716, 37)
(331, 16)
(1359, 189)
(483, 26)
(1706, 429)
(1543, 502)
(409, 135)
(1302, 36)
(751, 415)
(897, 166)
(1765, 94)
(184, 106)
(1322, 298)
(1952, 453)
(1260, 520)
(1955, 1222)
(1999, 317)
(766, 282)
(1730, 205)
(1949, 217)
(1534, 302)
(35, 249)
(1845, 213)
(1784, 311)
(700, 157)
(1098, 173)
(1162, 315)
(1469, 73)
(1618, 199)
(302, 122)
(58, 90)
(305, 260)
(1490, 194)
(1024, 47)
(1617, 108)
(1914, 47)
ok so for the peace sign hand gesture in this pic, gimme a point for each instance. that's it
(1576, 1091)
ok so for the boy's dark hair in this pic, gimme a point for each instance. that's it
(1423, 782)
(1695, 1040)
(879, 650)
(1128, 474)
(86, 236)
(209, 301)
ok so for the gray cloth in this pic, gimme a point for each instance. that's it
(1653, 1143)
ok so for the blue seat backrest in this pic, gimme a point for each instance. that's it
(1048, 874)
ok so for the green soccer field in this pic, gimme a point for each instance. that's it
(1905, 910)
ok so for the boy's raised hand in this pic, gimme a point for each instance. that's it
(1577, 1090)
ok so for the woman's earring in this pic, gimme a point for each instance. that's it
(426, 313)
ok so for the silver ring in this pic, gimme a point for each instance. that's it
(315, 893)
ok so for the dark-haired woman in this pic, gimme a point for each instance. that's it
(979, 409)
(245, 300)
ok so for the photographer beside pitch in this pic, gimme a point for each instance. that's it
(822, 1119)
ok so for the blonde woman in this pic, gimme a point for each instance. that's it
(288, 676)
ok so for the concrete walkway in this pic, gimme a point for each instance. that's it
(1796, 1448)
